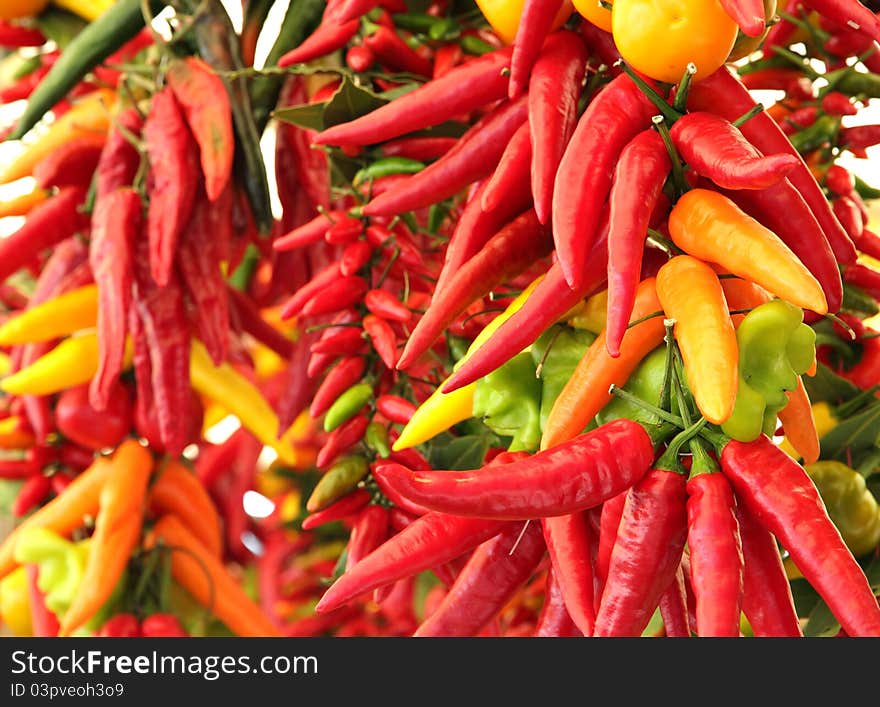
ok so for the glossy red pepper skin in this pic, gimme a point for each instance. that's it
(162, 626)
(601, 45)
(422, 149)
(674, 609)
(120, 626)
(839, 181)
(347, 341)
(395, 408)
(338, 295)
(458, 92)
(72, 164)
(513, 165)
(554, 621)
(432, 540)
(860, 136)
(550, 300)
(476, 153)
(571, 477)
(849, 215)
(370, 530)
(716, 555)
(748, 15)
(554, 89)
(836, 103)
(717, 150)
(868, 243)
(321, 280)
(532, 33)
(344, 375)
(609, 522)
(614, 117)
(119, 159)
(310, 232)
(789, 506)
(569, 540)
(638, 185)
(326, 39)
(723, 94)
(383, 339)
(343, 508)
(13, 36)
(47, 224)
(848, 13)
(767, 601)
(494, 572)
(117, 223)
(95, 429)
(864, 277)
(44, 621)
(341, 440)
(32, 493)
(175, 173)
(646, 554)
(354, 257)
(517, 246)
(384, 304)
(392, 52)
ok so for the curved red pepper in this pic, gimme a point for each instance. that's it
(384, 304)
(615, 116)
(395, 408)
(342, 508)
(395, 54)
(369, 531)
(513, 165)
(341, 440)
(748, 15)
(569, 541)
(531, 34)
(383, 339)
(849, 13)
(609, 522)
(344, 375)
(347, 341)
(340, 294)
(326, 39)
(674, 609)
(554, 621)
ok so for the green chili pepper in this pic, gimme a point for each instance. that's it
(61, 562)
(646, 382)
(557, 353)
(508, 400)
(855, 299)
(853, 83)
(417, 22)
(376, 438)
(816, 135)
(443, 29)
(386, 166)
(90, 47)
(865, 190)
(474, 45)
(338, 481)
(347, 405)
(775, 347)
(850, 504)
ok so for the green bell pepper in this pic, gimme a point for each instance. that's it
(646, 382)
(775, 347)
(508, 401)
(61, 562)
(556, 354)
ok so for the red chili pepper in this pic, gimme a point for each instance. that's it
(601, 45)
(554, 621)
(494, 572)
(71, 165)
(614, 117)
(508, 253)
(723, 94)
(638, 182)
(471, 159)
(850, 216)
(344, 375)
(609, 522)
(117, 224)
(370, 530)
(326, 39)
(204, 100)
(14, 36)
(567, 478)
(309, 232)
(384, 304)
(382, 237)
(446, 58)
(863, 277)
(349, 340)
(395, 408)
(162, 626)
(781, 32)
(799, 119)
(789, 506)
(383, 338)
(749, 15)
(24, 87)
(767, 600)
(392, 52)
(249, 318)
(534, 27)
(554, 89)
(323, 279)
(47, 224)
(174, 176)
(836, 103)
(341, 440)
(78, 458)
(343, 508)
(674, 609)
(646, 554)
(716, 149)
(860, 136)
(422, 149)
(513, 166)
(841, 182)
(772, 78)
(119, 159)
(868, 243)
(165, 329)
(849, 13)
(432, 540)
(214, 460)
(569, 540)
(339, 294)
(32, 493)
(120, 626)
(716, 554)
(784, 211)
(463, 89)
(344, 231)
(359, 58)
(354, 257)
(44, 623)
(549, 301)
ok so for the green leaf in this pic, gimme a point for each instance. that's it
(350, 102)
(308, 115)
(827, 386)
(459, 454)
(821, 622)
(852, 436)
(805, 597)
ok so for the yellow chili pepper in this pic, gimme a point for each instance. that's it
(54, 318)
(15, 603)
(227, 387)
(21, 204)
(13, 435)
(87, 9)
(443, 410)
(88, 117)
(590, 314)
(73, 362)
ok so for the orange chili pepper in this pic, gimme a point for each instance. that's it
(742, 294)
(178, 491)
(65, 512)
(799, 424)
(711, 227)
(691, 294)
(586, 392)
(14, 434)
(205, 577)
(117, 532)
(22, 204)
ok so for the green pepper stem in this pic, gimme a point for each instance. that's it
(652, 315)
(668, 461)
(798, 60)
(702, 462)
(747, 116)
(663, 243)
(666, 391)
(669, 113)
(681, 93)
(645, 405)
(681, 185)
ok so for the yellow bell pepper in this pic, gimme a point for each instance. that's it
(54, 318)
(443, 410)
(73, 362)
(15, 603)
(227, 387)
(89, 10)
(504, 16)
